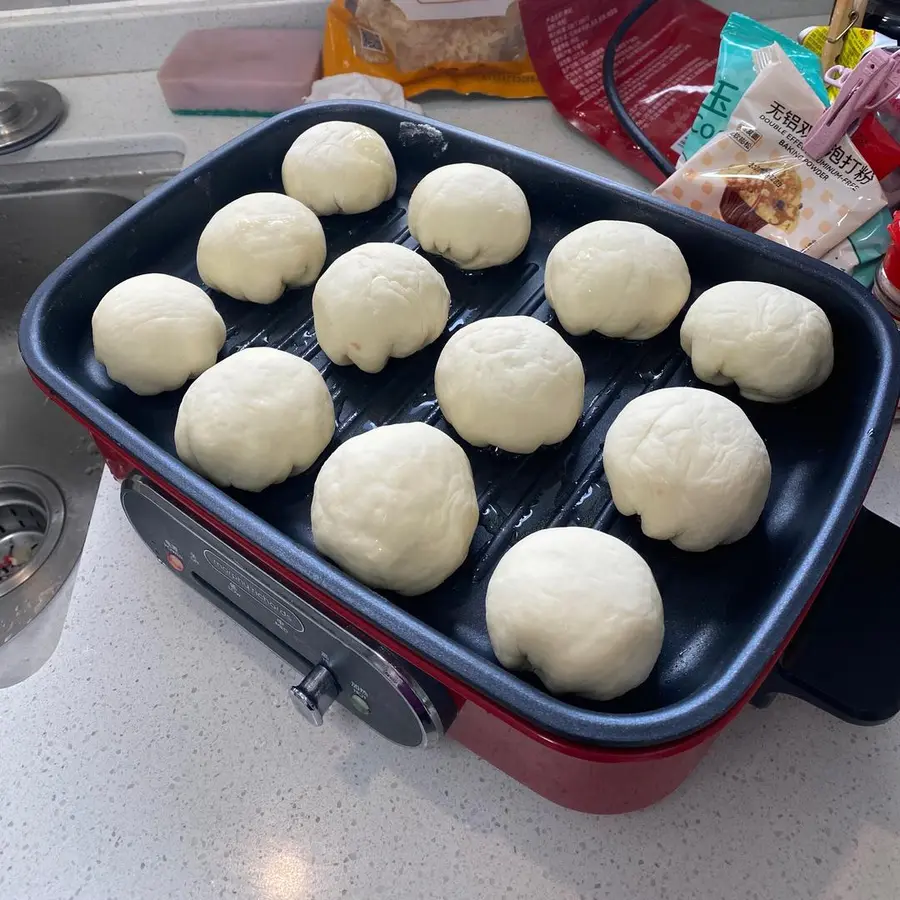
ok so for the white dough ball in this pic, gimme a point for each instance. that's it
(510, 382)
(260, 244)
(775, 345)
(579, 608)
(396, 507)
(255, 419)
(622, 279)
(339, 167)
(690, 464)
(473, 215)
(154, 332)
(378, 301)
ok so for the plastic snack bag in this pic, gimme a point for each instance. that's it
(735, 73)
(466, 46)
(860, 253)
(664, 68)
(354, 86)
(756, 176)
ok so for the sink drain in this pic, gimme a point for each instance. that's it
(23, 525)
(32, 513)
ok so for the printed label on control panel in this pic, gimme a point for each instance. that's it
(254, 590)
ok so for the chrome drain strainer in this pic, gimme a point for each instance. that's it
(32, 513)
(22, 529)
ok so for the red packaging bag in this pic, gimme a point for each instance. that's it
(665, 67)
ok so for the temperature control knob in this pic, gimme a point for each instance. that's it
(315, 694)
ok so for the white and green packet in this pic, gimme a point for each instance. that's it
(756, 175)
(858, 254)
(735, 72)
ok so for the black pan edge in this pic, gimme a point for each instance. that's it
(542, 710)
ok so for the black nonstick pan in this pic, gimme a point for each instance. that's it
(727, 612)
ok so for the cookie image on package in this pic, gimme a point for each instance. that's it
(760, 194)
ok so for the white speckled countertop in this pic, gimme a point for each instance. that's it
(157, 755)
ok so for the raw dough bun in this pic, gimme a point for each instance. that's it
(154, 332)
(396, 507)
(622, 279)
(260, 244)
(775, 345)
(578, 607)
(690, 464)
(475, 216)
(254, 419)
(510, 382)
(378, 301)
(339, 167)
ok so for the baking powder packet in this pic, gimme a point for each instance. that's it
(756, 175)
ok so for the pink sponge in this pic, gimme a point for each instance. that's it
(241, 71)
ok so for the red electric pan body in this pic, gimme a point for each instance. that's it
(730, 613)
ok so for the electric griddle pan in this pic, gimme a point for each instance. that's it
(728, 612)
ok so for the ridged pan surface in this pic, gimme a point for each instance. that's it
(726, 611)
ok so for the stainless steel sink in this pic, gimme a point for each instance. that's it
(49, 466)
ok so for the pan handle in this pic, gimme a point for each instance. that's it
(843, 657)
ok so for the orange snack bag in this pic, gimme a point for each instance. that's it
(468, 54)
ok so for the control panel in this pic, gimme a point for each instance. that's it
(337, 663)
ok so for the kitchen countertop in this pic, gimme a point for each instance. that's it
(157, 755)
